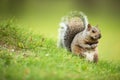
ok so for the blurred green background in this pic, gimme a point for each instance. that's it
(43, 17)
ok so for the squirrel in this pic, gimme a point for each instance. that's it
(79, 37)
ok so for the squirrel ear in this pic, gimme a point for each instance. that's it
(89, 27)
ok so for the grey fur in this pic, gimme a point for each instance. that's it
(74, 24)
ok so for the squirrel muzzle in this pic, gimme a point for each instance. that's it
(96, 37)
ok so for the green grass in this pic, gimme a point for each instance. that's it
(25, 56)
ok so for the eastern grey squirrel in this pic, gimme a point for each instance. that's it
(78, 36)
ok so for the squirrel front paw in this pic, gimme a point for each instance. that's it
(93, 46)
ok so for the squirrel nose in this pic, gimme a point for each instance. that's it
(99, 36)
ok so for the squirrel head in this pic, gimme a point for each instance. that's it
(93, 32)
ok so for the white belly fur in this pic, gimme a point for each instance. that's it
(89, 55)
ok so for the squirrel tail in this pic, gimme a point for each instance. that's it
(66, 33)
(62, 31)
(85, 21)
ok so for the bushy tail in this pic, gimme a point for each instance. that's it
(72, 14)
(67, 32)
(85, 19)
(61, 35)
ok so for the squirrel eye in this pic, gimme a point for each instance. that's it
(93, 31)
